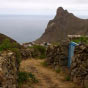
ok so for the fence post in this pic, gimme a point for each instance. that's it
(71, 52)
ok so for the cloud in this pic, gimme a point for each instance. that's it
(49, 1)
(38, 6)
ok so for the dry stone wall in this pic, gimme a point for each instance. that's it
(57, 55)
(26, 53)
(79, 67)
(8, 70)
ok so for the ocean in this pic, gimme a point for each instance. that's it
(24, 28)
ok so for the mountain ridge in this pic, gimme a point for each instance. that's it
(63, 24)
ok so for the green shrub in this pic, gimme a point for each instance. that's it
(82, 39)
(42, 56)
(58, 70)
(24, 77)
(67, 78)
(33, 78)
(18, 54)
(45, 64)
(39, 51)
(7, 45)
(42, 49)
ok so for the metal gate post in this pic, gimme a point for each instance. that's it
(71, 52)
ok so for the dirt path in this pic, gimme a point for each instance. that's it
(47, 77)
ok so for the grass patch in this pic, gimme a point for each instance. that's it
(45, 64)
(33, 78)
(67, 78)
(8, 45)
(24, 77)
(58, 70)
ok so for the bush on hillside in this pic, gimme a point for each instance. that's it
(82, 39)
(7, 45)
(18, 54)
(39, 51)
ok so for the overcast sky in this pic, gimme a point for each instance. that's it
(46, 7)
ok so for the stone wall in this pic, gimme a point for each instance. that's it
(8, 70)
(26, 53)
(79, 67)
(57, 55)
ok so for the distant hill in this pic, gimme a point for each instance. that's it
(4, 37)
(63, 24)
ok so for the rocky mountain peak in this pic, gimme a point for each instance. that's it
(63, 24)
(61, 12)
(60, 9)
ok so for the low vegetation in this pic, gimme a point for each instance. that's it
(26, 77)
(67, 78)
(18, 54)
(58, 70)
(82, 39)
(45, 64)
(8, 45)
(39, 51)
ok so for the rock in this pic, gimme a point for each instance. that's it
(57, 55)
(8, 70)
(79, 66)
(26, 53)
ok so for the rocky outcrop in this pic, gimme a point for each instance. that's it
(57, 55)
(63, 24)
(8, 70)
(79, 67)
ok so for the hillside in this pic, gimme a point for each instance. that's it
(63, 24)
(5, 38)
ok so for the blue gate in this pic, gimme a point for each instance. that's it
(71, 52)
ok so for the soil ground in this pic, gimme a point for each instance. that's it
(47, 77)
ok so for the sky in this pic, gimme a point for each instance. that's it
(42, 7)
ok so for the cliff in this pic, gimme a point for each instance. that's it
(63, 24)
